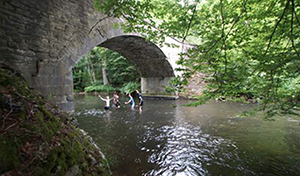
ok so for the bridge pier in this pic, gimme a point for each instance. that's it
(154, 85)
(55, 82)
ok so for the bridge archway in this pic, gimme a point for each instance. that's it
(45, 39)
(146, 56)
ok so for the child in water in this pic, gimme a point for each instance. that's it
(116, 102)
(107, 101)
(131, 101)
(141, 100)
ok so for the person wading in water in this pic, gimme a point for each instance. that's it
(116, 102)
(131, 101)
(107, 102)
(141, 100)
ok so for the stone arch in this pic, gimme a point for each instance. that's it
(45, 38)
(149, 59)
(146, 56)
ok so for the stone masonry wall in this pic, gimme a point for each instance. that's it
(154, 85)
(38, 37)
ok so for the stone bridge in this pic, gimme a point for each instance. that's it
(44, 39)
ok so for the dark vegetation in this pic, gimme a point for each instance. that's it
(37, 139)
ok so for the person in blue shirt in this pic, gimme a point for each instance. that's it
(131, 101)
(141, 100)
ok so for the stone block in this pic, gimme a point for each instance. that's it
(70, 98)
(7, 5)
(66, 106)
(12, 45)
(3, 43)
(154, 85)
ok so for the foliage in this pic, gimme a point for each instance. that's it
(130, 87)
(249, 48)
(176, 85)
(87, 73)
(100, 88)
(120, 70)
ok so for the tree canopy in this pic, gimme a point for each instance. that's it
(247, 47)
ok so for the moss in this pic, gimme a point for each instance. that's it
(47, 134)
(71, 161)
(47, 128)
(35, 128)
(40, 130)
(22, 115)
(53, 126)
(54, 163)
(48, 114)
(41, 171)
(51, 161)
(61, 161)
(52, 123)
(4, 78)
(73, 149)
(9, 154)
(16, 81)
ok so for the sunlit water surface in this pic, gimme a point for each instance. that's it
(168, 139)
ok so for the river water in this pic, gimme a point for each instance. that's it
(168, 139)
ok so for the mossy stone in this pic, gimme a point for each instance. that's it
(9, 154)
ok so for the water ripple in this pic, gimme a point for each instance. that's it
(89, 112)
(186, 150)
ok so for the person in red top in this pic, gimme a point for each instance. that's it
(116, 102)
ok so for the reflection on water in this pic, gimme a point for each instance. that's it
(170, 139)
(187, 149)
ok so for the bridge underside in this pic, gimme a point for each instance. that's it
(150, 61)
(146, 56)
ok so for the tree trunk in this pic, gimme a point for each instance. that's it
(91, 70)
(104, 75)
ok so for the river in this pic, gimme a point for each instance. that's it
(168, 139)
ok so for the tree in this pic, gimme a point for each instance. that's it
(249, 48)
(101, 67)
(100, 53)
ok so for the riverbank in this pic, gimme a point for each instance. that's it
(36, 138)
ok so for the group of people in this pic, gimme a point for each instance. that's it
(117, 104)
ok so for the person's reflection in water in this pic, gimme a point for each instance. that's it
(107, 116)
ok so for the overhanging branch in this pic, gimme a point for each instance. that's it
(190, 23)
(276, 25)
(101, 19)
